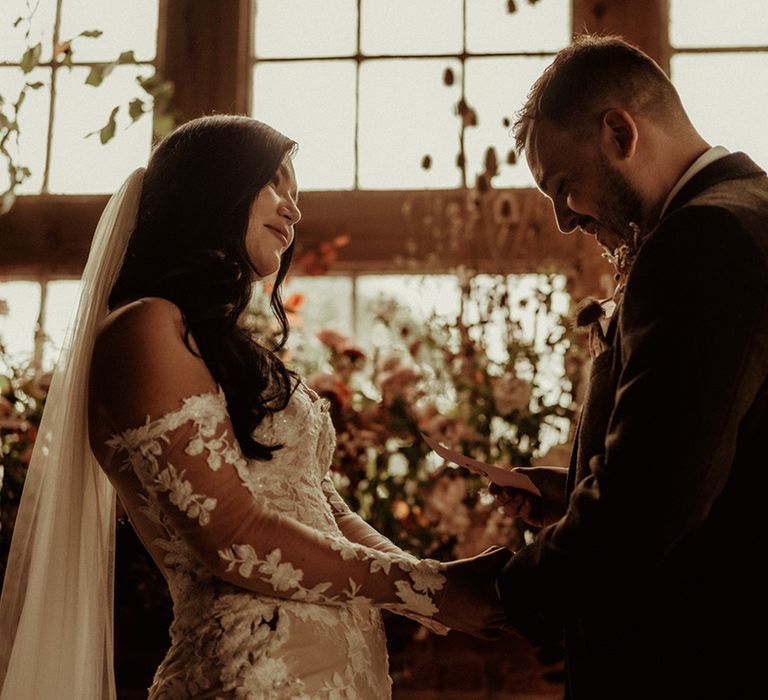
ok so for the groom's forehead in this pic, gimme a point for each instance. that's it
(540, 153)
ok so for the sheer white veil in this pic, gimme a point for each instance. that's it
(56, 609)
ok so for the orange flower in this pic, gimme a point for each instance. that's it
(295, 302)
(400, 509)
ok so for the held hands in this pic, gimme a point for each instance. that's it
(470, 602)
(537, 511)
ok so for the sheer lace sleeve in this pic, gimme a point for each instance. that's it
(354, 527)
(192, 473)
(357, 530)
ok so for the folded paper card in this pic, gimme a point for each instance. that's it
(498, 475)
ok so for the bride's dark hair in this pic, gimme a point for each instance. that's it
(189, 247)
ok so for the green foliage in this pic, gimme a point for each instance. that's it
(158, 101)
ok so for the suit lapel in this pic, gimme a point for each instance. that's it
(730, 167)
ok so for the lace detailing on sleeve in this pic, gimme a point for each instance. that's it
(191, 473)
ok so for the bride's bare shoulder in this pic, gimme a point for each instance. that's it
(137, 315)
(141, 359)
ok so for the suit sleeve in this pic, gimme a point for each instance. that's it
(694, 353)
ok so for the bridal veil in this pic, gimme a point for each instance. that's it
(56, 609)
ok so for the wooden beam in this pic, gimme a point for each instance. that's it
(400, 231)
(644, 24)
(203, 46)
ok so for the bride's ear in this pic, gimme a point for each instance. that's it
(618, 134)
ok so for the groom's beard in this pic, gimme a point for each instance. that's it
(619, 206)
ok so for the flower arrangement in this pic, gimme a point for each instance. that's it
(479, 382)
(22, 396)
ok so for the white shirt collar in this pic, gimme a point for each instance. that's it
(709, 156)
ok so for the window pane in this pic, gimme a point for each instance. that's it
(60, 304)
(305, 28)
(312, 102)
(406, 112)
(80, 164)
(126, 25)
(33, 125)
(327, 302)
(13, 43)
(719, 23)
(407, 27)
(730, 122)
(17, 326)
(416, 298)
(543, 26)
(496, 88)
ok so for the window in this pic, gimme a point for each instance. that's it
(57, 114)
(720, 65)
(370, 87)
(54, 119)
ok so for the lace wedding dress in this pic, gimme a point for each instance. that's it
(276, 584)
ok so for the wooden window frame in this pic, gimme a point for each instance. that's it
(204, 48)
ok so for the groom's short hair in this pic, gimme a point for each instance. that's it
(593, 74)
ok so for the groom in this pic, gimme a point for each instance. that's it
(654, 564)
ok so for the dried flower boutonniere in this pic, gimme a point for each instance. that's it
(595, 314)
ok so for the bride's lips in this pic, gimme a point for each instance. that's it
(280, 233)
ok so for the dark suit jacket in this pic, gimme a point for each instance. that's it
(657, 573)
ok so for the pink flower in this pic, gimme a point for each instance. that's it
(398, 383)
(6, 408)
(445, 505)
(510, 393)
(333, 339)
(329, 386)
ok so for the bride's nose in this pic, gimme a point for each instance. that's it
(291, 213)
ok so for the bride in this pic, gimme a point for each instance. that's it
(219, 455)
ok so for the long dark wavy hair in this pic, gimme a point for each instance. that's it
(189, 247)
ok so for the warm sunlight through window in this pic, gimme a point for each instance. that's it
(366, 111)
(720, 67)
(62, 160)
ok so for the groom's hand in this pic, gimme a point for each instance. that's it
(470, 602)
(537, 511)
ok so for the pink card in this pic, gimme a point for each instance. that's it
(502, 476)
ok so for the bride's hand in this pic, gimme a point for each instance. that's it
(470, 602)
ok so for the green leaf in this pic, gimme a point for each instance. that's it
(126, 57)
(107, 132)
(135, 109)
(18, 21)
(36, 85)
(151, 83)
(7, 202)
(96, 76)
(162, 125)
(91, 33)
(31, 57)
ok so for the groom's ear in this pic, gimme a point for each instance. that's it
(618, 134)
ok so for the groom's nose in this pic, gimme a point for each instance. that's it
(567, 219)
